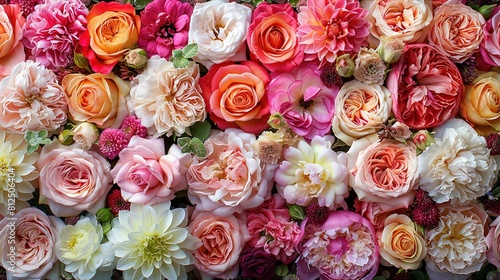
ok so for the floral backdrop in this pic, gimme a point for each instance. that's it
(249, 139)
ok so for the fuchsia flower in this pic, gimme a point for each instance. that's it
(165, 26)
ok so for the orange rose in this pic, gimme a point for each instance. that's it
(96, 98)
(11, 32)
(112, 30)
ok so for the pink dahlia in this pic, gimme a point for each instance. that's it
(165, 26)
(53, 30)
(328, 27)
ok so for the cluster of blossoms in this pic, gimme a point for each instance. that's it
(169, 139)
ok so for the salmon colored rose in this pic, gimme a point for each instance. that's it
(96, 98)
(235, 96)
(272, 37)
(11, 33)
(112, 30)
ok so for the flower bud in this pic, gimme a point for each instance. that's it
(345, 65)
(104, 215)
(136, 58)
(276, 121)
(390, 49)
(85, 134)
(423, 139)
(66, 137)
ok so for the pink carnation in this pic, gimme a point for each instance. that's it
(53, 30)
(164, 27)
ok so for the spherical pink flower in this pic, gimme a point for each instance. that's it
(112, 141)
(146, 175)
(306, 104)
(131, 125)
(164, 27)
(328, 27)
(490, 45)
(53, 30)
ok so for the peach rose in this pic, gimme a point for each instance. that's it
(11, 33)
(97, 98)
(112, 30)
(457, 30)
(72, 180)
(400, 243)
(235, 95)
(32, 256)
(480, 104)
(223, 240)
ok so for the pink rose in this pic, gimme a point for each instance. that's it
(490, 46)
(493, 242)
(11, 33)
(374, 213)
(426, 87)
(146, 175)
(272, 39)
(36, 235)
(223, 240)
(72, 180)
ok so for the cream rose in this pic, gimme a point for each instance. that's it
(360, 110)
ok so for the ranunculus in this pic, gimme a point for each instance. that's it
(344, 247)
(456, 31)
(231, 178)
(306, 104)
(360, 110)
(407, 20)
(383, 171)
(112, 30)
(167, 99)
(329, 27)
(313, 171)
(235, 96)
(258, 264)
(426, 87)
(493, 243)
(219, 28)
(480, 104)
(400, 243)
(35, 236)
(164, 27)
(490, 45)
(53, 30)
(72, 180)
(223, 241)
(32, 99)
(97, 98)
(85, 134)
(146, 175)
(457, 167)
(370, 68)
(11, 33)
(458, 244)
(272, 38)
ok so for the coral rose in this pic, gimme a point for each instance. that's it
(97, 98)
(426, 87)
(490, 46)
(272, 38)
(112, 30)
(11, 33)
(235, 96)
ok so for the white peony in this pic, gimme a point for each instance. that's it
(219, 28)
(457, 167)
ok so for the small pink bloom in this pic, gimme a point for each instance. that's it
(490, 46)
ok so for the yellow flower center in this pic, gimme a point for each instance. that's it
(153, 249)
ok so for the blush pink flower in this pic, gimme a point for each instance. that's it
(490, 45)
(426, 87)
(306, 104)
(11, 34)
(146, 175)
(53, 30)
(329, 27)
(374, 213)
(164, 27)
(493, 242)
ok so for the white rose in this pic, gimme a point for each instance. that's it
(219, 28)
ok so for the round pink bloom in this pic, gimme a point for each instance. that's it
(146, 175)
(53, 30)
(343, 247)
(164, 27)
(426, 87)
(306, 104)
(493, 243)
(11, 34)
(374, 213)
(328, 27)
(72, 180)
(36, 235)
(231, 178)
(490, 45)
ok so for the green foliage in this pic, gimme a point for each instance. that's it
(141, 4)
(192, 145)
(35, 139)
(296, 212)
(200, 130)
(180, 58)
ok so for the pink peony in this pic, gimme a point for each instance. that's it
(493, 242)
(306, 104)
(146, 175)
(53, 30)
(11, 33)
(329, 27)
(343, 247)
(426, 87)
(490, 45)
(164, 27)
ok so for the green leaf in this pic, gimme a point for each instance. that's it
(183, 141)
(32, 148)
(486, 10)
(417, 275)
(181, 63)
(81, 61)
(296, 212)
(293, 3)
(176, 54)
(197, 147)
(30, 135)
(43, 134)
(380, 277)
(282, 270)
(200, 130)
(190, 50)
(496, 192)
(141, 4)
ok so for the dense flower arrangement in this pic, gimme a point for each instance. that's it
(249, 139)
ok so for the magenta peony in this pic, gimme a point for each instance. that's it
(164, 27)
